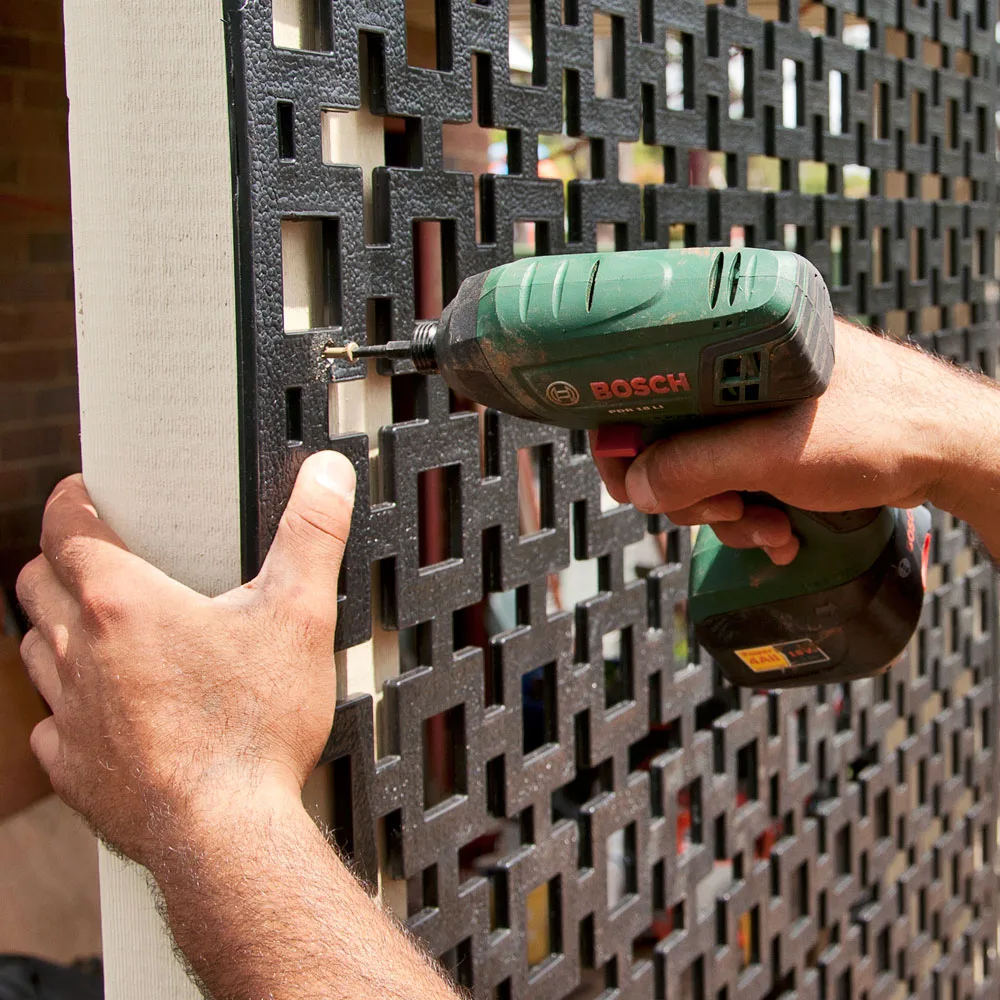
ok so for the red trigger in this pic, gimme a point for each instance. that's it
(618, 441)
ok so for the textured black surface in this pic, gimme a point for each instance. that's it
(857, 833)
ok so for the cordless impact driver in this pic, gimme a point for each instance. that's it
(643, 344)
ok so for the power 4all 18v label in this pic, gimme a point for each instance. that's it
(783, 656)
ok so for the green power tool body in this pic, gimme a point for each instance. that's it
(642, 344)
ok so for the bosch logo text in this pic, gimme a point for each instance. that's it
(654, 385)
(562, 394)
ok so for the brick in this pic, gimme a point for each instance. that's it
(30, 442)
(53, 321)
(67, 359)
(57, 401)
(49, 474)
(48, 56)
(39, 408)
(42, 322)
(69, 439)
(33, 365)
(47, 173)
(15, 403)
(16, 485)
(31, 15)
(13, 328)
(15, 51)
(50, 248)
(27, 286)
(21, 525)
(33, 130)
(13, 251)
(46, 94)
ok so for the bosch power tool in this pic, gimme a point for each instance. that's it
(647, 343)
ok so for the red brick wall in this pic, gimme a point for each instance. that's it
(39, 423)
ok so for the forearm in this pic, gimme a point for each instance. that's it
(262, 907)
(945, 430)
(969, 483)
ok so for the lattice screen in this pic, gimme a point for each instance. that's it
(562, 795)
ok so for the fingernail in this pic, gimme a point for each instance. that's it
(639, 491)
(782, 555)
(759, 538)
(334, 472)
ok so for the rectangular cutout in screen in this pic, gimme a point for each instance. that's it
(856, 181)
(856, 32)
(839, 270)
(746, 773)
(740, 83)
(310, 273)
(286, 130)
(616, 650)
(428, 34)
(534, 489)
(708, 169)
(689, 818)
(435, 276)
(402, 141)
(792, 97)
(293, 414)
(609, 55)
(444, 756)
(544, 922)
(439, 514)
(606, 237)
(531, 239)
(679, 70)
(343, 807)
(526, 45)
(621, 865)
(565, 157)
(302, 24)
(538, 708)
(838, 104)
(639, 163)
(692, 982)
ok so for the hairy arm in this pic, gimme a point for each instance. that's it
(896, 426)
(184, 729)
(261, 906)
(968, 485)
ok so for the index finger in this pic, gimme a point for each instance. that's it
(73, 534)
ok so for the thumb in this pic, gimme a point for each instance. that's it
(690, 467)
(304, 559)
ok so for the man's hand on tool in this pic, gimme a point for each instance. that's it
(183, 729)
(895, 427)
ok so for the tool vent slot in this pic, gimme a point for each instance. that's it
(734, 278)
(592, 282)
(738, 377)
(715, 280)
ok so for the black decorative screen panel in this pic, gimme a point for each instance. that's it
(562, 796)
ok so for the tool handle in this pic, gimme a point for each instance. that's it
(843, 609)
(838, 522)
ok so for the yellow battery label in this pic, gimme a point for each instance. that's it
(797, 653)
(763, 658)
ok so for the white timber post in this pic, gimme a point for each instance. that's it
(156, 328)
